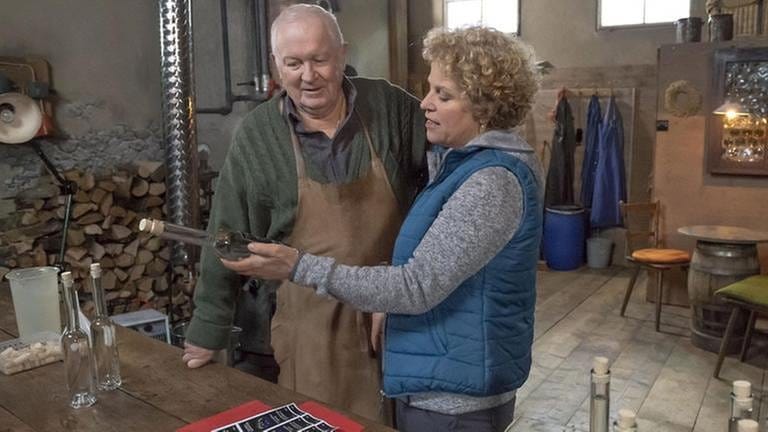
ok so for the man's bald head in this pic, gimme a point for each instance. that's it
(302, 13)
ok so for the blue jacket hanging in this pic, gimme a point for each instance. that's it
(589, 165)
(610, 178)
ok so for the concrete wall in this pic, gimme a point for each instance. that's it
(105, 66)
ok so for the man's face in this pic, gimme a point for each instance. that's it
(311, 66)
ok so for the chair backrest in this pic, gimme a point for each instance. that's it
(641, 221)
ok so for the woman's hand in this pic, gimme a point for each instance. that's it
(270, 261)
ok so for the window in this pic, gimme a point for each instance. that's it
(616, 13)
(502, 15)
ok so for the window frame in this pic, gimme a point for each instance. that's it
(519, 16)
(600, 27)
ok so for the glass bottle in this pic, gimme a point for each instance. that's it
(104, 338)
(599, 395)
(747, 425)
(78, 359)
(741, 404)
(230, 245)
(626, 422)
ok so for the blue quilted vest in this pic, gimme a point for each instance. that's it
(477, 341)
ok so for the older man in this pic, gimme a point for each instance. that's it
(329, 166)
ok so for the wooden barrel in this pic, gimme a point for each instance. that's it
(713, 266)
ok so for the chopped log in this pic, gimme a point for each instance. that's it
(107, 224)
(90, 218)
(156, 189)
(129, 217)
(145, 284)
(72, 175)
(29, 218)
(140, 187)
(124, 260)
(112, 296)
(157, 267)
(119, 232)
(80, 209)
(60, 212)
(148, 202)
(136, 272)
(145, 296)
(107, 185)
(38, 204)
(93, 229)
(156, 213)
(45, 215)
(23, 246)
(97, 251)
(108, 280)
(122, 186)
(77, 252)
(106, 205)
(150, 170)
(153, 244)
(97, 195)
(144, 257)
(86, 182)
(4, 271)
(120, 274)
(41, 191)
(40, 257)
(107, 262)
(165, 253)
(132, 248)
(114, 249)
(25, 261)
(75, 237)
(33, 231)
(118, 212)
(81, 196)
(161, 284)
(124, 294)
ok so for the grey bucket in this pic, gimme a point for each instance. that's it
(720, 27)
(689, 29)
(599, 251)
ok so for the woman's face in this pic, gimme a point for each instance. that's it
(449, 118)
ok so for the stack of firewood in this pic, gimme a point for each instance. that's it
(106, 210)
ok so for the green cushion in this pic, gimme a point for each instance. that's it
(753, 289)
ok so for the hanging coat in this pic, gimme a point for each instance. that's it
(589, 165)
(560, 175)
(610, 178)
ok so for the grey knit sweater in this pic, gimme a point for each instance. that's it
(474, 224)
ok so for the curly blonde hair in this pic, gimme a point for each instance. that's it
(497, 72)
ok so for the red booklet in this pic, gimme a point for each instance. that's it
(228, 420)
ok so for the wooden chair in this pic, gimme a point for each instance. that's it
(644, 250)
(747, 295)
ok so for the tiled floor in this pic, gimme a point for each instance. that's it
(660, 375)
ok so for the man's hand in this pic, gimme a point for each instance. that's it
(377, 330)
(269, 261)
(195, 356)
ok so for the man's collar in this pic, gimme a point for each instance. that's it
(347, 87)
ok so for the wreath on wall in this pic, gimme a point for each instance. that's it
(682, 99)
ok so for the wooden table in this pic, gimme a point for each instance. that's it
(723, 255)
(159, 393)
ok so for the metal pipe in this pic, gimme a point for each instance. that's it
(179, 129)
(262, 61)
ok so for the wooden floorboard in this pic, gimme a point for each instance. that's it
(660, 375)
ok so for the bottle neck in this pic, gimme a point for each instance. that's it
(98, 296)
(70, 295)
(187, 235)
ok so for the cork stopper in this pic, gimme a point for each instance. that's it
(151, 226)
(600, 365)
(747, 425)
(627, 418)
(742, 389)
(66, 278)
(96, 270)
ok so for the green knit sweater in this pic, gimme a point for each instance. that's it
(257, 188)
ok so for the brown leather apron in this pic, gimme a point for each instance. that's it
(323, 346)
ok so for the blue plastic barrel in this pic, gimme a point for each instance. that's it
(564, 237)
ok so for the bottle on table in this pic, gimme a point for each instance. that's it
(626, 421)
(230, 245)
(104, 338)
(741, 404)
(747, 425)
(76, 347)
(599, 406)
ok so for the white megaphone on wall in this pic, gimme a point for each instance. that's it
(20, 118)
